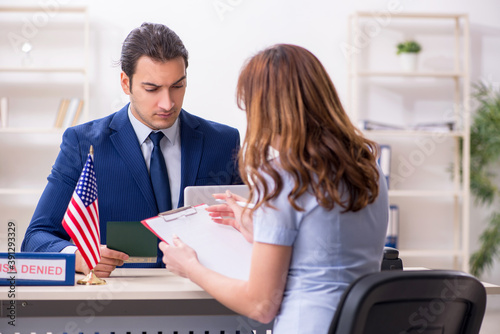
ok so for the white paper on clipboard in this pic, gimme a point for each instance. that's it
(219, 247)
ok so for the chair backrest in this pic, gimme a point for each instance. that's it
(416, 302)
(391, 260)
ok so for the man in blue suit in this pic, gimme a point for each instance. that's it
(196, 151)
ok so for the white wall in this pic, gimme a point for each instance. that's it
(221, 34)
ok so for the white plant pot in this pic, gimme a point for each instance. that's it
(409, 61)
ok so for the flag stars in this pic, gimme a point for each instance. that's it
(86, 188)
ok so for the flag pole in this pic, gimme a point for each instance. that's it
(91, 278)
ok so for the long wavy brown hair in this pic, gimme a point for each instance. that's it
(292, 106)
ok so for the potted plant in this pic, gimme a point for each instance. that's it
(408, 52)
(484, 158)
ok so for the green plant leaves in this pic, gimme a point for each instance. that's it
(490, 246)
(408, 47)
(484, 152)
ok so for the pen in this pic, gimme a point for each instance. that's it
(240, 203)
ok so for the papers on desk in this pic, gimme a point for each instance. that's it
(219, 247)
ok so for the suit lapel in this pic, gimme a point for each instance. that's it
(125, 142)
(191, 149)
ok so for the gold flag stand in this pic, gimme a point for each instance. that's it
(91, 279)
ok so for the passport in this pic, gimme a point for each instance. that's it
(134, 239)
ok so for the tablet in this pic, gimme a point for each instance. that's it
(195, 195)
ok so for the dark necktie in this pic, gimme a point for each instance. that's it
(159, 174)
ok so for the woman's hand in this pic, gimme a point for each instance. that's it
(179, 258)
(232, 214)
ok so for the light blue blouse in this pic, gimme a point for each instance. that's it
(330, 250)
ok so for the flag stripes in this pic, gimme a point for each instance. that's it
(81, 220)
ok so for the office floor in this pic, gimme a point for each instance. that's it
(491, 322)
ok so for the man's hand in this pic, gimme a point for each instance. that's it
(110, 259)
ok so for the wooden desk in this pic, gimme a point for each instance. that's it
(491, 289)
(132, 301)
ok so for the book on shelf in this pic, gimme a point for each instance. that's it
(384, 161)
(431, 127)
(3, 112)
(77, 113)
(74, 107)
(391, 239)
(371, 125)
(61, 113)
(435, 127)
(69, 112)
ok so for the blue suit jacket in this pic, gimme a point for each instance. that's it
(208, 156)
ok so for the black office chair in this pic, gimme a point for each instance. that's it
(416, 302)
(391, 260)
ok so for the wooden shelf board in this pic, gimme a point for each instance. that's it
(82, 70)
(14, 191)
(413, 15)
(31, 130)
(429, 253)
(409, 74)
(29, 9)
(411, 133)
(424, 193)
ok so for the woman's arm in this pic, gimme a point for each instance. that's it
(258, 298)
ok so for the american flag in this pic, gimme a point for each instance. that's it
(81, 220)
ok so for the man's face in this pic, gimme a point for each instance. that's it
(157, 91)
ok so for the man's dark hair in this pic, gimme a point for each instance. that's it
(153, 40)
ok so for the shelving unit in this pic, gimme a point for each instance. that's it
(55, 68)
(40, 20)
(369, 28)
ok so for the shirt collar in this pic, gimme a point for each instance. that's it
(142, 131)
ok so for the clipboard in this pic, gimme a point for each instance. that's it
(219, 247)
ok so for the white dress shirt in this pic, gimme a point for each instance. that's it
(170, 147)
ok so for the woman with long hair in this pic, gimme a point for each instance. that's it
(320, 209)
